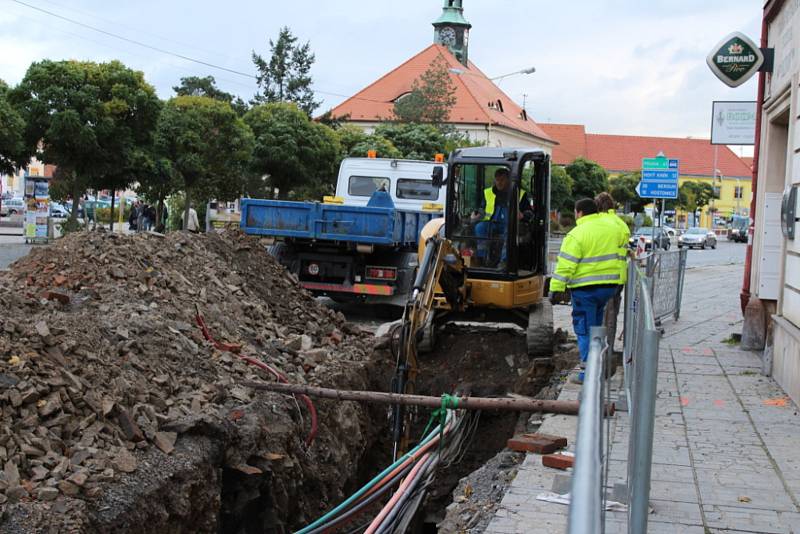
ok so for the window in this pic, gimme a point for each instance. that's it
(738, 192)
(416, 189)
(364, 186)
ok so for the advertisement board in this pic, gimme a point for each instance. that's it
(733, 123)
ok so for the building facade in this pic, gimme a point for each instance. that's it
(14, 184)
(771, 288)
(700, 161)
(482, 111)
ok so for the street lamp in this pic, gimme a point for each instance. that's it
(529, 70)
(717, 172)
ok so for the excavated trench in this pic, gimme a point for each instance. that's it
(252, 474)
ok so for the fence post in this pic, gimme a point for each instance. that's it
(642, 437)
(681, 272)
(586, 493)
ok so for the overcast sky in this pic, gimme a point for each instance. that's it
(618, 66)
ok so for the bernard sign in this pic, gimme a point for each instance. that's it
(735, 59)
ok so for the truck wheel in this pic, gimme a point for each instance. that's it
(539, 335)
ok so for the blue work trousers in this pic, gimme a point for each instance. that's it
(588, 305)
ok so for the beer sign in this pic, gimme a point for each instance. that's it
(735, 59)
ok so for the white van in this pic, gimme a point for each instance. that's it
(12, 206)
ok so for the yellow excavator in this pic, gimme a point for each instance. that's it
(485, 260)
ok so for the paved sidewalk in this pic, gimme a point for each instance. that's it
(727, 439)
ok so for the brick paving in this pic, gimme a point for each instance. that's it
(726, 455)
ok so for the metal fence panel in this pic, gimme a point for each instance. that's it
(667, 269)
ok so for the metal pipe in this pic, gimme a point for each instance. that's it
(586, 502)
(464, 403)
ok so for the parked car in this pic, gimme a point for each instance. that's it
(58, 211)
(671, 233)
(12, 206)
(661, 238)
(698, 238)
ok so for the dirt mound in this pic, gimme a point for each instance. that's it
(103, 368)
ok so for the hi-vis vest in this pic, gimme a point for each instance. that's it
(590, 254)
(490, 197)
(624, 237)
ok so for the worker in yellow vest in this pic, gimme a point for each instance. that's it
(493, 217)
(607, 208)
(589, 266)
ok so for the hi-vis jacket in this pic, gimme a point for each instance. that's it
(590, 254)
(489, 198)
(625, 235)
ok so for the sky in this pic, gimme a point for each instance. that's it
(616, 66)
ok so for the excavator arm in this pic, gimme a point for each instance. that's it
(440, 267)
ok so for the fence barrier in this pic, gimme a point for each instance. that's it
(667, 270)
(640, 364)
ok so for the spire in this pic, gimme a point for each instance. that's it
(451, 29)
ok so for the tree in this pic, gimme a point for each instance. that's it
(623, 189)
(291, 148)
(286, 76)
(92, 120)
(207, 86)
(158, 181)
(588, 178)
(561, 198)
(694, 196)
(431, 98)
(13, 152)
(208, 147)
(355, 142)
(414, 141)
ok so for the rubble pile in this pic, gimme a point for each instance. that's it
(102, 359)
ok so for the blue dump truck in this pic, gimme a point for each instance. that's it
(360, 244)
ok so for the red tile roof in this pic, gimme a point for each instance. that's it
(474, 92)
(747, 161)
(571, 141)
(624, 153)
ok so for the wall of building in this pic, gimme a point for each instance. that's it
(775, 267)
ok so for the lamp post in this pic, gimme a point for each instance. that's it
(529, 70)
(717, 172)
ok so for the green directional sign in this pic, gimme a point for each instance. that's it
(735, 59)
(655, 163)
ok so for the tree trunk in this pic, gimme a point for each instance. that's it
(113, 198)
(76, 198)
(186, 206)
(159, 211)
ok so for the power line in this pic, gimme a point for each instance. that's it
(175, 54)
(134, 41)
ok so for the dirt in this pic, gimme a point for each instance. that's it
(118, 412)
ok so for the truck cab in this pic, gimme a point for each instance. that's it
(408, 183)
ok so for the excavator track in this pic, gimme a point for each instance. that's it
(539, 334)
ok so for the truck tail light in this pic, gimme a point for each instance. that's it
(381, 273)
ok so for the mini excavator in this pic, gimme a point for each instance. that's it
(485, 260)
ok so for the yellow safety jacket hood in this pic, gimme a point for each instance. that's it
(590, 254)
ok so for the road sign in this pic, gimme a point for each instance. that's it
(657, 189)
(659, 178)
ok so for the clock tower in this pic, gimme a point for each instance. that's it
(451, 29)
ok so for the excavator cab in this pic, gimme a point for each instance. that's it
(496, 218)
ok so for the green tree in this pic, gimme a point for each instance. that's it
(157, 182)
(561, 198)
(355, 142)
(13, 151)
(286, 76)
(431, 98)
(623, 189)
(207, 86)
(694, 196)
(208, 147)
(294, 151)
(588, 178)
(414, 141)
(93, 120)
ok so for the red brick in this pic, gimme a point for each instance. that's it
(538, 443)
(558, 461)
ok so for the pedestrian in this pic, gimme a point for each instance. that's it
(192, 224)
(606, 208)
(133, 218)
(588, 265)
(162, 223)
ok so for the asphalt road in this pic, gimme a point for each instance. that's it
(726, 253)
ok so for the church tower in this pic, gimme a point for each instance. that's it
(451, 29)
